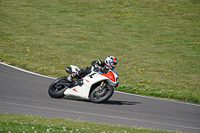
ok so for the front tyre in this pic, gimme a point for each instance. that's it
(56, 90)
(99, 96)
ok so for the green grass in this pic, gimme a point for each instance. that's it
(36, 124)
(157, 42)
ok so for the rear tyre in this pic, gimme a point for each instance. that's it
(57, 91)
(99, 96)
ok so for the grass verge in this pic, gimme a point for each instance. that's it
(27, 123)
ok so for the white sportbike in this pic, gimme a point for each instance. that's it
(97, 87)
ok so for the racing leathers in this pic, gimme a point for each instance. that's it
(98, 65)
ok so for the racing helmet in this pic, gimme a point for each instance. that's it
(111, 62)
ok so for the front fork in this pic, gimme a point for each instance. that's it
(102, 85)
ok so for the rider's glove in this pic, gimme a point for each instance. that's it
(99, 62)
(98, 65)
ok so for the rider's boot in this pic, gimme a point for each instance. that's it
(73, 75)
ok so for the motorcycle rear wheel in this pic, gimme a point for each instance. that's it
(57, 91)
(104, 95)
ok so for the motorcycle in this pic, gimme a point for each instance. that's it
(97, 86)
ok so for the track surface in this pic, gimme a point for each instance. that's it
(25, 93)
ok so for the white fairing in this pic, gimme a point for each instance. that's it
(89, 80)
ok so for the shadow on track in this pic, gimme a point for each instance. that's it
(109, 102)
(113, 102)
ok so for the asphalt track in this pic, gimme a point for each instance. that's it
(24, 92)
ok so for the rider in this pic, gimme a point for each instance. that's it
(99, 65)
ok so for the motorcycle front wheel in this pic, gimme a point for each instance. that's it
(57, 89)
(101, 95)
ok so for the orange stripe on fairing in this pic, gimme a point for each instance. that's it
(109, 75)
(87, 80)
(75, 90)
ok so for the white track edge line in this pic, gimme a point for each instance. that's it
(26, 71)
(37, 74)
